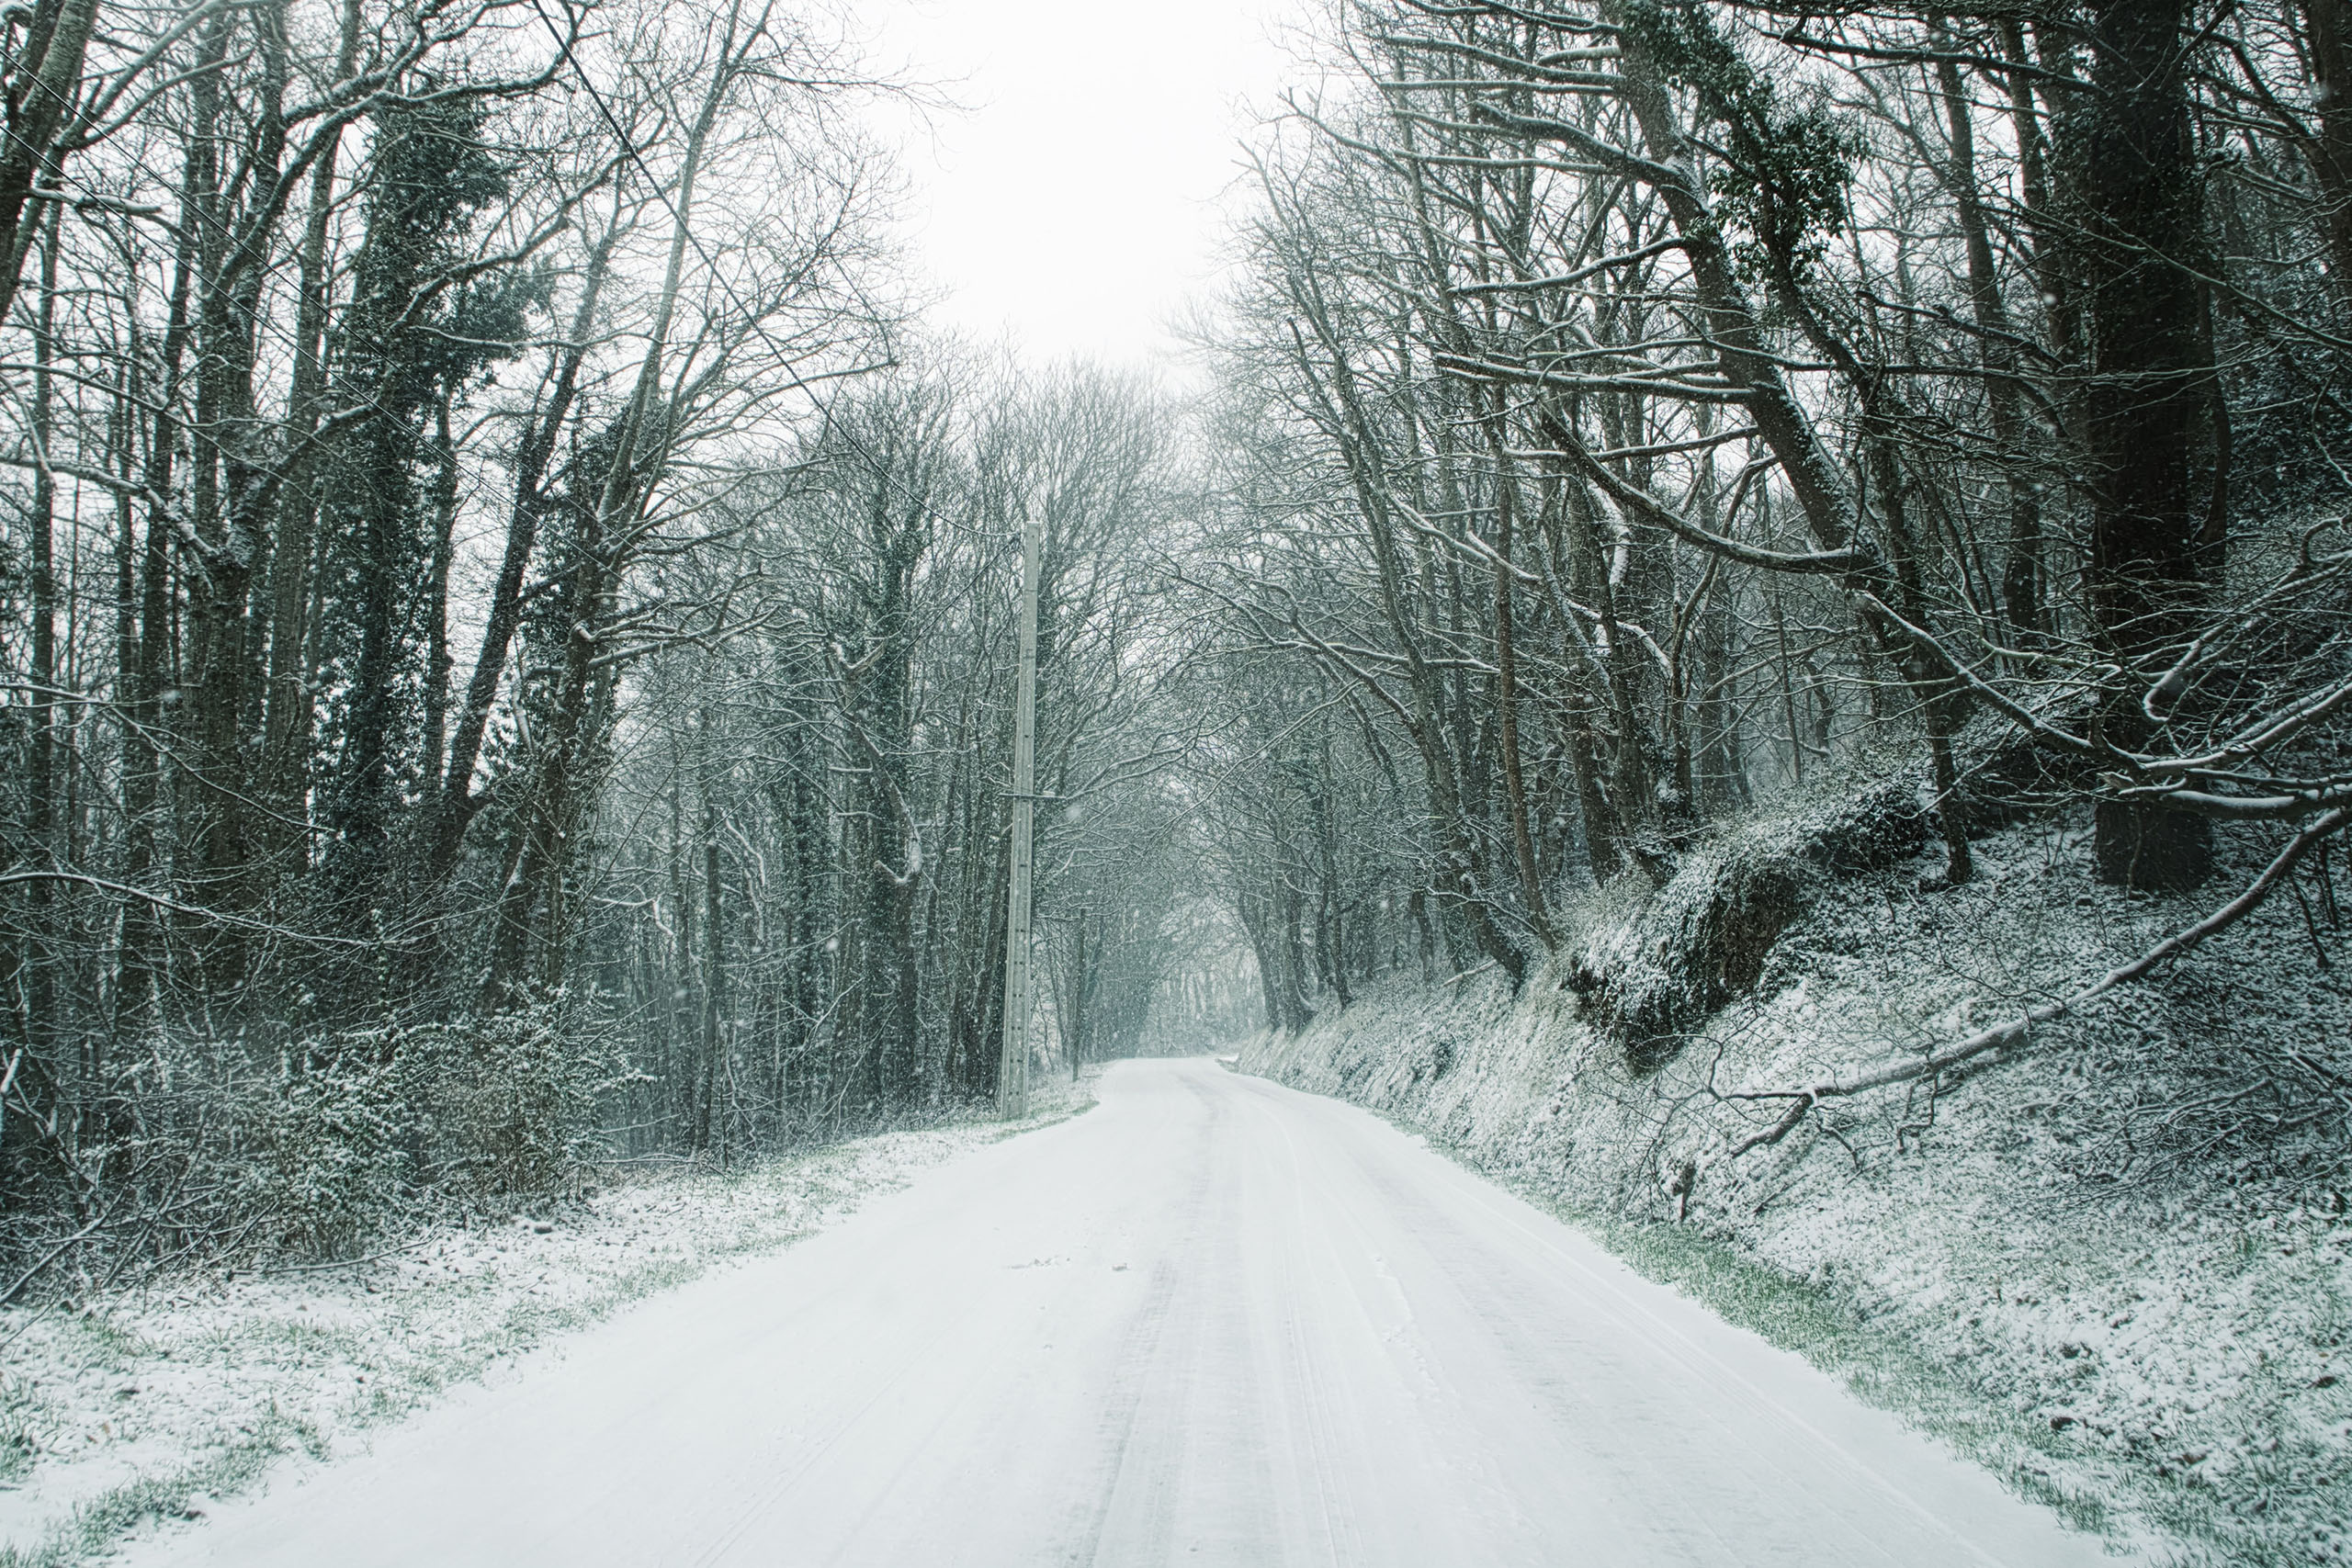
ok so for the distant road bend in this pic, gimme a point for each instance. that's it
(1211, 1322)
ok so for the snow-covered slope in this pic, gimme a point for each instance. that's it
(2112, 1263)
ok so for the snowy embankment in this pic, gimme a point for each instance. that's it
(158, 1405)
(2112, 1262)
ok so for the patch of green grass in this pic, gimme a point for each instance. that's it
(97, 1524)
(23, 1413)
(106, 1343)
(1877, 1367)
(2286, 1506)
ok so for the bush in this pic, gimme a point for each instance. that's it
(512, 1100)
(366, 1124)
(330, 1146)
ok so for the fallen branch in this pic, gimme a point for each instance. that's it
(1804, 1102)
(1481, 969)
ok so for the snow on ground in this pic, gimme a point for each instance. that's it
(165, 1403)
(1212, 1322)
(2114, 1266)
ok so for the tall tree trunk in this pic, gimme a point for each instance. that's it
(437, 661)
(1292, 952)
(234, 494)
(711, 1117)
(2325, 24)
(458, 802)
(39, 959)
(557, 783)
(149, 770)
(2144, 208)
(2021, 570)
(1462, 877)
(1256, 915)
(40, 106)
(2053, 264)
(288, 701)
(1523, 839)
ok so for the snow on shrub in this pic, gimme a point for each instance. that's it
(364, 1125)
(513, 1097)
(330, 1146)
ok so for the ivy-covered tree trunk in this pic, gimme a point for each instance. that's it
(407, 352)
(2143, 199)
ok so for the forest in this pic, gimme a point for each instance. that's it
(508, 609)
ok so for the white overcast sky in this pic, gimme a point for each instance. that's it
(1071, 205)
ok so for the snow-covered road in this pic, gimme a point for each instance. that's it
(1213, 1321)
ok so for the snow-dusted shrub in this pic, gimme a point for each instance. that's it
(329, 1146)
(511, 1098)
(369, 1122)
(1648, 977)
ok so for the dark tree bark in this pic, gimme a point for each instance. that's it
(40, 108)
(288, 701)
(2143, 198)
(457, 804)
(2021, 570)
(2325, 26)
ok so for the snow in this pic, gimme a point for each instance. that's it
(2116, 1265)
(1214, 1321)
(150, 1405)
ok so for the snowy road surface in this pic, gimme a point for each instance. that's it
(1211, 1322)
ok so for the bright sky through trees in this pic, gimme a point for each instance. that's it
(1073, 204)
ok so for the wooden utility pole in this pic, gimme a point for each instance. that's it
(1012, 1069)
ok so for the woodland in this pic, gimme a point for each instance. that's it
(507, 612)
